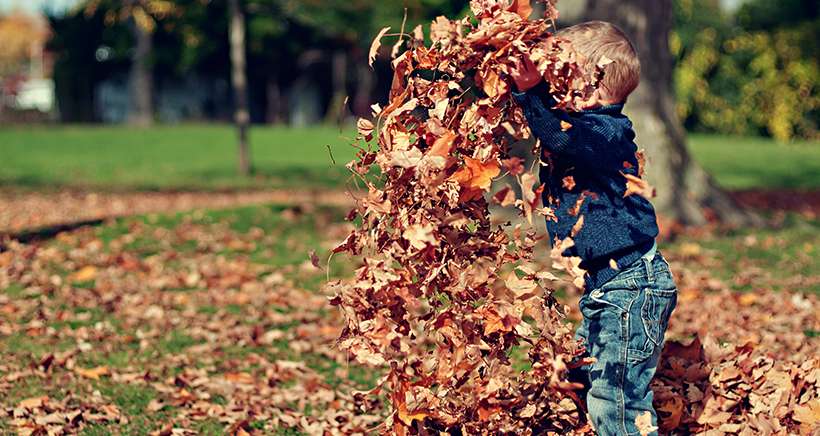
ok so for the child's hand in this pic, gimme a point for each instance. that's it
(525, 74)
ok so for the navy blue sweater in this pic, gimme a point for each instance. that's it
(595, 151)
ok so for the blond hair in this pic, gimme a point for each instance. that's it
(597, 41)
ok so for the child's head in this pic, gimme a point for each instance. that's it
(595, 41)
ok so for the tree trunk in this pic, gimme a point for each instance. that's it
(337, 108)
(239, 79)
(274, 100)
(141, 82)
(686, 193)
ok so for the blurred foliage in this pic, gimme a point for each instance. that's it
(287, 40)
(19, 33)
(754, 72)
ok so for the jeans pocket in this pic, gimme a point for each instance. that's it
(655, 312)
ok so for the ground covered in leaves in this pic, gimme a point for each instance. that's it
(209, 322)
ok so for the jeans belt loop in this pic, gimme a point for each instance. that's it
(647, 261)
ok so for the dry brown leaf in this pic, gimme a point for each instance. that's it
(636, 185)
(375, 45)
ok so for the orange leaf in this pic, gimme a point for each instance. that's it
(93, 373)
(408, 417)
(522, 8)
(443, 145)
(85, 274)
(568, 183)
(577, 227)
(492, 84)
(476, 176)
(637, 185)
(239, 377)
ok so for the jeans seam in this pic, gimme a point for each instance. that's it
(624, 360)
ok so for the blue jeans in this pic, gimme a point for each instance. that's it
(624, 322)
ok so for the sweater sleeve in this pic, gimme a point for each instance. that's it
(582, 138)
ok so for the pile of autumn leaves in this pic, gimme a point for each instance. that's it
(447, 302)
(443, 297)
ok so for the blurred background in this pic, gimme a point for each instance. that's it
(166, 167)
(135, 96)
(741, 67)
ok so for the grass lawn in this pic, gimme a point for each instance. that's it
(204, 157)
(170, 157)
(749, 163)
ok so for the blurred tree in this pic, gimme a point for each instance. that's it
(141, 17)
(80, 41)
(239, 78)
(326, 41)
(686, 193)
(20, 33)
(754, 74)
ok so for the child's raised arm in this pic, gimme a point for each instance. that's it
(584, 136)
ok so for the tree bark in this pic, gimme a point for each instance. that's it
(686, 193)
(141, 81)
(274, 101)
(337, 108)
(239, 80)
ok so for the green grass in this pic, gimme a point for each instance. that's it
(204, 157)
(749, 163)
(170, 157)
(765, 258)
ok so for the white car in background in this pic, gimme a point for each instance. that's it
(35, 94)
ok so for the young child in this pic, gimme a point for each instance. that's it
(629, 290)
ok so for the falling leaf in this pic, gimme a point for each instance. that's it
(613, 264)
(443, 145)
(505, 197)
(406, 158)
(493, 86)
(365, 128)
(520, 287)
(568, 183)
(522, 8)
(515, 165)
(420, 235)
(636, 185)
(565, 126)
(476, 176)
(576, 228)
(314, 259)
(374, 46)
